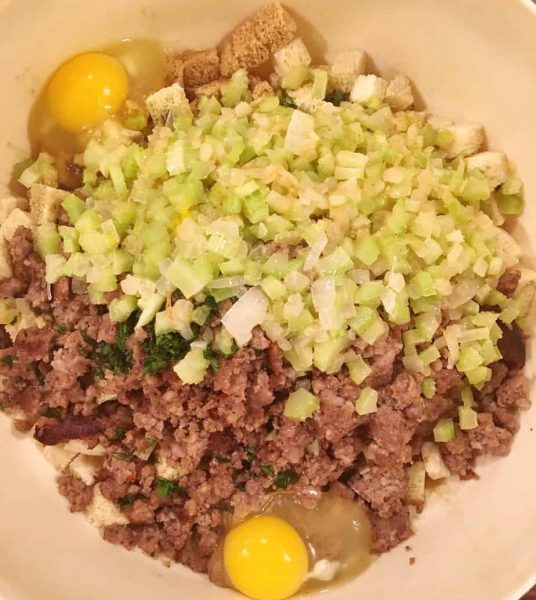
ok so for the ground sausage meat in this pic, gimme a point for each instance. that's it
(182, 462)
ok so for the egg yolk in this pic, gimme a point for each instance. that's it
(265, 558)
(86, 89)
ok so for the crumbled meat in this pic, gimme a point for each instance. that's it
(388, 532)
(512, 346)
(76, 491)
(72, 428)
(509, 281)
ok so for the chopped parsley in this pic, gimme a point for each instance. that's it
(285, 478)
(61, 329)
(287, 101)
(210, 355)
(126, 500)
(126, 456)
(9, 360)
(222, 460)
(117, 358)
(120, 433)
(52, 413)
(165, 487)
(337, 97)
(211, 304)
(251, 453)
(267, 470)
(161, 350)
(225, 506)
(39, 376)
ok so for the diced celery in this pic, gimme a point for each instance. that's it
(444, 430)
(470, 359)
(300, 357)
(358, 369)
(188, 276)
(479, 376)
(428, 388)
(326, 355)
(366, 250)
(150, 306)
(48, 239)
(55, 264)
(121, 308)
(301, 405)
(336, 262)
(69, 236)
(295, 77)
(224, 342)
(468, 418)
(510, 205)
(88, 222)
(107, 281)
(193, 367)
(8, 311)
(255, 207)
(273, 288)
(430, 355)
(320, 84)
(367, 402)
(370, 294)
(74, 207)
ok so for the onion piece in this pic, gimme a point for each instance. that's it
(245, 314)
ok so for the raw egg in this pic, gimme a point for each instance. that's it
(296, 544)
(87, 89)
(265, 558)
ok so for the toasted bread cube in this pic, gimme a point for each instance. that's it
(467, 139)
(291, 55)
(85, 468)
(102, 512)
(367, 87)
(58, 456)
(209, 89)
(261, 89)
(492, 165)
(45, 202)
(166, 100)
(399, 95)
(201, 67)
(174, 66)
(274, 26)
(17, 218)
(252, 43)
(346, 66)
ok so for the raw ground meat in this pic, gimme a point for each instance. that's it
(226, 440)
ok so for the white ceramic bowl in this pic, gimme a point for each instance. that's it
(470, 59)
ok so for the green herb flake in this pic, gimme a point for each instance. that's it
(52, 413)
(212, 305)
(210, 355)
(222, 460)
(165, 488)
(126, 500)
(337, 97)
(225, 506)
(61, 329)
(161, 350)
(120, 433)
(126, 456)
(267, 470)
(287, 101)
(9, 360)
(285, 478)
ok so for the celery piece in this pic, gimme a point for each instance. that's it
(55, 264)
(364, 318)
(193, 367)
(428, 388)
(190, 277)
(89, 221)
(366, 250)
(336, 262)
(234, 266)
(359, 370)
(163, 323)
(107, 281)
(273, 288)
(444, 430)
(232, 205)
(367, 402)
(150, 305)
(470, 359)
(69, 235)
(8, 311)
(300, 322)
(295, 77)
(422, 285)
(370, 294)
(300, 357)
(48, 239)
(95, 296)
(320, 84)
(121, 308)
(467, 396)
(510, 205)
(182, 194)
(430, 355)
(224, 342)
(475, 189)
(468, 418)
(277, 265)
(301, 405)
(73, 206)
(255, 207)
(326, 354)
(479, 377)
(121, 261)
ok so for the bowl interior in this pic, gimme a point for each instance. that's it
(469, 60)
